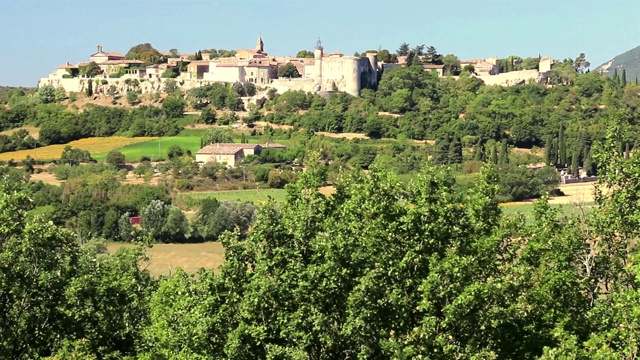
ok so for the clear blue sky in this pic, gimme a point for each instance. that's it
(36, 36)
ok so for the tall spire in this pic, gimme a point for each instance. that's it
(319, 44)
(259, 44)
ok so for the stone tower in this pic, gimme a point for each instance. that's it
(318, 65)
(259, 44)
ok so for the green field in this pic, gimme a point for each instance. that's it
(527, 209)
(155, 149)
(192, 200)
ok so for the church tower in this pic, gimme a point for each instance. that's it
(318, 53)
(259, 44)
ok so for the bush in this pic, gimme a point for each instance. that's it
(115, 157)
(472, 167)
(132, 97)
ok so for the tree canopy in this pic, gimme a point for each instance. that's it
(288, 70)
(146, 53)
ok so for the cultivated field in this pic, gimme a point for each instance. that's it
(575, 194)
(192, 200)
(155, 148)
(165, 258)
(33, 131)
(94, 145)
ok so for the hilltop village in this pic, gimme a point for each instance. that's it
(316, 71)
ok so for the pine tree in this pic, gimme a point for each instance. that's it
(623, 79)
(455, 151)
(478, 153)
(562, 147)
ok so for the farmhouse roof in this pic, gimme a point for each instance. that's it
(273, 146)
(225, 148)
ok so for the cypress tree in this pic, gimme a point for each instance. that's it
(623, 80)
(627, 150)
(616, 79)
(555, 153)
(455, 151)
(494, 154)
(548, 148)
(575, 170)
(478, 156)
(243, 139)
(441, 155)
(562, 147)
(589, 165)
(90, 88)
(504, 152)
(636, 80)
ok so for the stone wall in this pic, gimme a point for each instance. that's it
(102, 85)
(283, 85)
(512, 78)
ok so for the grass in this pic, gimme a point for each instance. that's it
(156, 148)
(95, 145)
(527, 209)
(193, 200)
(165, 258)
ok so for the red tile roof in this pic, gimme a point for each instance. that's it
(68, 66)
(109, 54)
(120, 62)
(224, 148)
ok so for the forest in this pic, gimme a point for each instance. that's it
(432, 273)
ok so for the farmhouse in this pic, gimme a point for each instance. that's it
(231, 153)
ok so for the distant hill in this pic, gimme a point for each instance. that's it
(629, 60)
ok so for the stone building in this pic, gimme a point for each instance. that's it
(325, 72)
(231, 153)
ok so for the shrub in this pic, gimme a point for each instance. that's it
(115, 157)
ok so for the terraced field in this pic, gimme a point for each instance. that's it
(95, 145)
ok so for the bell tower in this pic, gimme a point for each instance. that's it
(259, 44)
(318, 64)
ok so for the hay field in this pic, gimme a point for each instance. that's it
(165, 258)
(93, 145)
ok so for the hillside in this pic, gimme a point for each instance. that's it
(629, 60)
